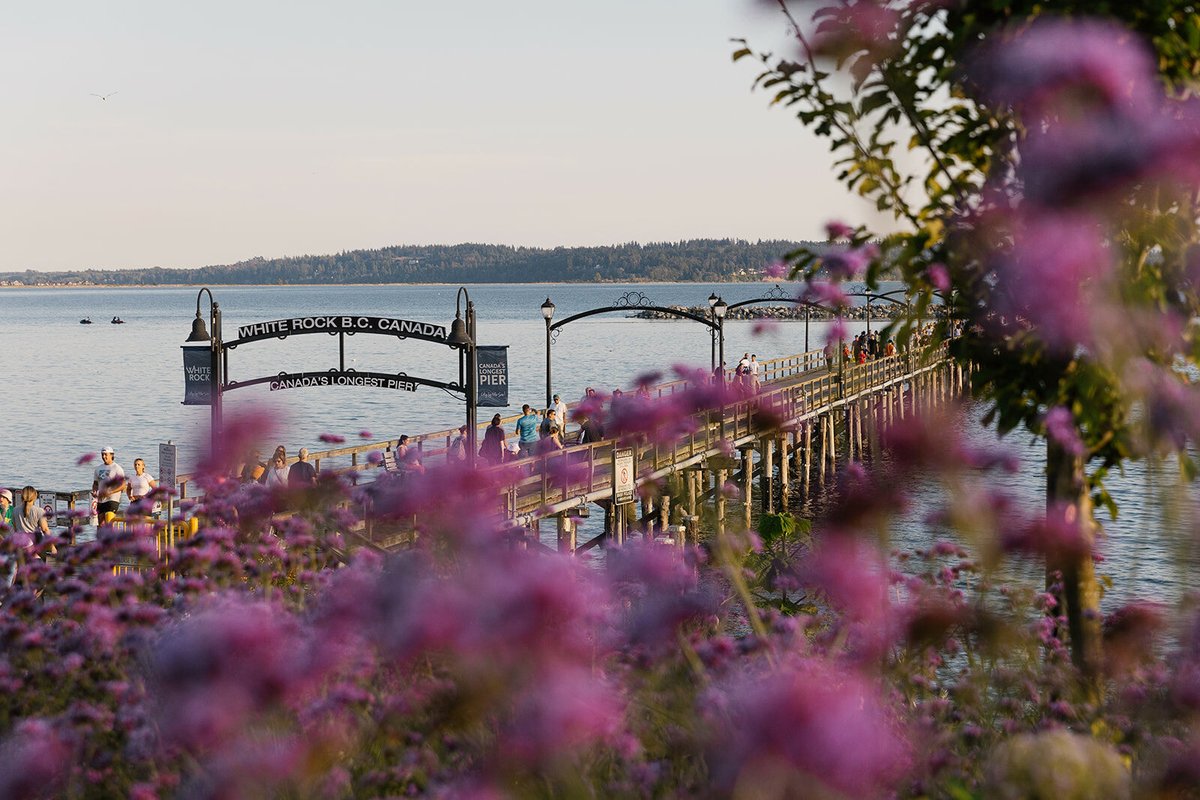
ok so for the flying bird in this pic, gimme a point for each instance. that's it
(102, 96)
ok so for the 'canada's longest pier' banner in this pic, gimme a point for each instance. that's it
(342, 323)
(493, 376)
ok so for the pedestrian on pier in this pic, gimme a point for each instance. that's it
(29, 519)
(549, 422)
(302, 473)
(552, 442)
(527, 431)
(8, 564)
(107, 485)
(280, 453)
(458, 447)
(276, 475)
(590, 430)
(492, 449)
(560, 410)
(254, 467)
(755, 371)
(139, 484)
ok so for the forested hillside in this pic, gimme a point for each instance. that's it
(696, 260)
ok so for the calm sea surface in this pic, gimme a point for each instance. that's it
(70, 389)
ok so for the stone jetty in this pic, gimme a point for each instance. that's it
(883, 311)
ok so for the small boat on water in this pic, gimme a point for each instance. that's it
(117, 321)
(85, 321)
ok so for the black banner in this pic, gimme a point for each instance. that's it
(493, 376)
(197, 375)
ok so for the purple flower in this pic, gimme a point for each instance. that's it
(1059, 535)
(838, 230)
(1060, 428)
(848, 263)
(33, 760)
(825, 293)
(1051, 277)
(762, 327)
(219, 667)
(1055, 63)
(939, 276)
(567, 710)
(775, 270)
(854, 578)
(1172, 407)
(813, 728)
(1130, 635)
(1095, 114)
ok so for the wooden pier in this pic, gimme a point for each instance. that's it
(805, 417)
(787, 433)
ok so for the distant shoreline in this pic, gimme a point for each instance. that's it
(404, 283)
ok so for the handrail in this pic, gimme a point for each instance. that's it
(551, 484)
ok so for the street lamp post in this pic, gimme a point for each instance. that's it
(548, 315)
(462, 336)
(712, 332)
(200, 334)
(719, 308)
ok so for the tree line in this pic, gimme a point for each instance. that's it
(693, 260)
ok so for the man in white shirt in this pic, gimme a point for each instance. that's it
(560, 411)
(107, 485)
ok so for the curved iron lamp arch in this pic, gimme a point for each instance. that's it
(778, 294)
(630, 300)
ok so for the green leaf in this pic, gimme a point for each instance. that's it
(873, 101)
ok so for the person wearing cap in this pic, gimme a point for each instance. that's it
(107, 486)
(6, 507)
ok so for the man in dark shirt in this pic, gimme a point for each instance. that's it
(549, 422)
(302, 473)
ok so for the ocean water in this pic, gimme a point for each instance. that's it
(70, 389)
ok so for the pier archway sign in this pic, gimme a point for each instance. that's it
(206, 383)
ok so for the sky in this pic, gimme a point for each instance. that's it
(263, 128)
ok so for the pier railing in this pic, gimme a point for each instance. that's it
(436, 444)
(563, 479)
(782, 385)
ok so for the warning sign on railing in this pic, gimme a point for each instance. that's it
(624, 473)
